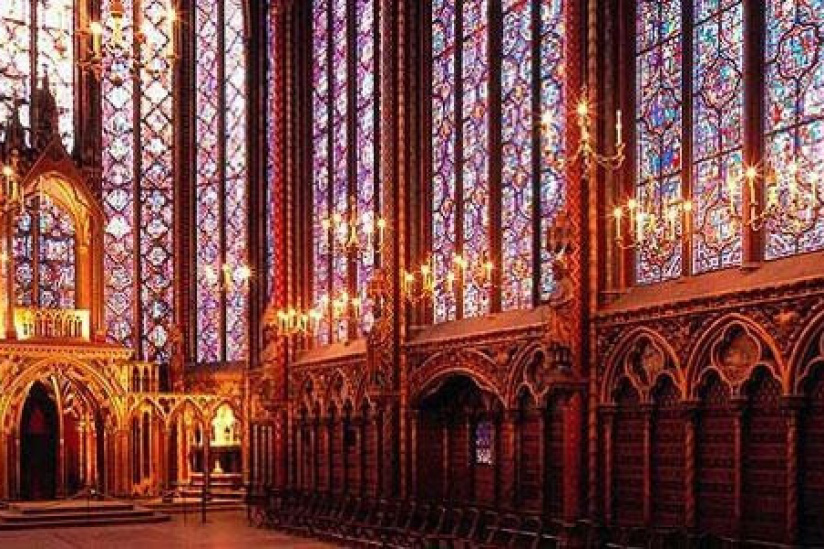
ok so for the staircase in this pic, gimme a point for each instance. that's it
(75, 513)
(222, 487)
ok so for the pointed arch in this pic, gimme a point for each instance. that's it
(645, 378)
(708, 353)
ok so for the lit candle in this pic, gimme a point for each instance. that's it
(381, 231)
(97, 34)
(619, 137)
(171, 19)
(488, 266)
(618, 213)
(450, 281)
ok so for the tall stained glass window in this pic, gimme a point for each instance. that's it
(38, 34)
(793, 123)
(794, 115)
(532, 126)
(138, 183)
(717, 135)
(221, 191)
(659, 111)
(44, 255)
(272, 129)
(345, 148)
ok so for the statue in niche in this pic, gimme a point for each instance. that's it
(560, 301)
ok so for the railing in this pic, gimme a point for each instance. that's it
(35, 323)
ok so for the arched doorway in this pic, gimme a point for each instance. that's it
(38, 445)
(62, 440)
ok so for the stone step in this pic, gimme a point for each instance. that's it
(86, 522)
(76, 513)
(192, 506)
(69, 507)
(64, 516)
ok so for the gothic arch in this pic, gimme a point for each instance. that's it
(807, 354)
(14, 395)
(180, 408)
(144, 404)
(733, 346)
(475, 365)
(651, 356)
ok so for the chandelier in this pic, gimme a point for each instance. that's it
(754, 197)
(586, 151)
(419, 284)
(116, 51)
(354, 234)
(790, 199)
(292, 321)
(228, 278)
(653, 219)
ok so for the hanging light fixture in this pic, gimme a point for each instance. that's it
(103, 54)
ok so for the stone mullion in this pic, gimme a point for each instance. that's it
(185, 192)
(88, 120)
(257, 206)
(495, 162)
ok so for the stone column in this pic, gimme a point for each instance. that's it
(646, 411)
(792, 409)
(739, 406)
(690, 412)
(508, 460)
(608, 420)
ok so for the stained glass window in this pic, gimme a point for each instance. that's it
(221, 182)
(44, 256)
(794, 116)
(345, 149)
(49, 48)
(273, 131)
(659, 110)
(533, 108)
(718, 116)
(56, 256)
(484, 443)
(138, 139)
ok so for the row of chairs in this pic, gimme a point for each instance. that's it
(369, 522)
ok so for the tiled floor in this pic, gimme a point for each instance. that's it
(223, 530)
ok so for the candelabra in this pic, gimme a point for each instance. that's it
(419, 285)
(351, 233)
(654, 222)
(586, 151)
(292, 322)
(228, 278)
(115, 51)
(790, 199)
